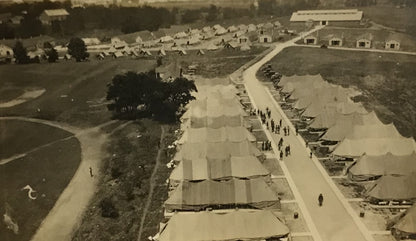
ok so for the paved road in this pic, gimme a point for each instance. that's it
(333, 221)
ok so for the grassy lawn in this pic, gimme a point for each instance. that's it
(218, 63)
(386, 80)
(126, 184)
(75, 92)
(17, 137)
(48, 171)
(399, 18)
(7, 94)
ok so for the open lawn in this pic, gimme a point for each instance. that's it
(18, 137)
(386, 80)
(7, 94)
(47, 170)
(125, 183)
(403, 19)
(218, 63)
(75, 92)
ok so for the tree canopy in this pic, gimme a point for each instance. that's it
(20, 53)
(77, 49)
(135, 95)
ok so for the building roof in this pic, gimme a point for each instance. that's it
(366, 36)
(217, 169)
(56, 12)
(327, 15)
(200, 195)
(235, 225)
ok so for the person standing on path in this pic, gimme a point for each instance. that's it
(320, 199)
(284, 130)
(91, 172)
(288, 129)
(280, 122)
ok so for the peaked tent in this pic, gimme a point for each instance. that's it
(330, 116)
(345, 124)
(218, 169)
(394, 188)
(216, 150)
(375, 146)
(233, 134)
(194, 196)
(233, 225)
(407, 224)
(214, 122)
(371, 167)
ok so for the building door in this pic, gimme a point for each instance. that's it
(336, 43)
(361, 44)
(392, 46)
(310, 41)
(265, 40)
(323, 22)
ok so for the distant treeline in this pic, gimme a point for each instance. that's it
(131, 19)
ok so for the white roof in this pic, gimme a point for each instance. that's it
(56, 12)
(327, 15)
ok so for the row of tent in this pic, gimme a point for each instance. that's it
(219, 189)
(351, 132)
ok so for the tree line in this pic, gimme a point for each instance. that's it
(129, 19)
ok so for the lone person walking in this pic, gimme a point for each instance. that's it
(320, 199)
(91, 172)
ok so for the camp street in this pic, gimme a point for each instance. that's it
(335, 220)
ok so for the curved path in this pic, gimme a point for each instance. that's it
(335, 220)
(67, 212)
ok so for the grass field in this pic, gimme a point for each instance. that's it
(127, 185)
(47, 170)
(17, 137)
(386, 80)
(398, 18)
(75, 92)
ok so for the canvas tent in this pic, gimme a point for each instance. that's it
(233, 134)
(194, 196)
(218, 169)
(234, 225)
(371, 167)
(330, 116)
(394, 188)
(216, 150)
(211, 107)
(345, 123)
(214, 122)
(353, 148)
(406, 226)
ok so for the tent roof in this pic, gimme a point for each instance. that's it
(375, 146)
(331, 114)
(199, 195)
(407, 223)
(394, 188)
(235, 225)
(345, 123)
(373, 131)
(387, 164)
(205, 134)
(203, 168)
(216, 150)
(214, 122)
(214, 107)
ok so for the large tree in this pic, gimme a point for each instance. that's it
(134, 95)
(52, 55)
(20, 53)
(77, 49)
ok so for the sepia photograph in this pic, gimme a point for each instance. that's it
(207, 120)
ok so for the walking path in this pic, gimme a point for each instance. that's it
(335, 220)
(152, 184)
(384, 51)
(67, 212)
